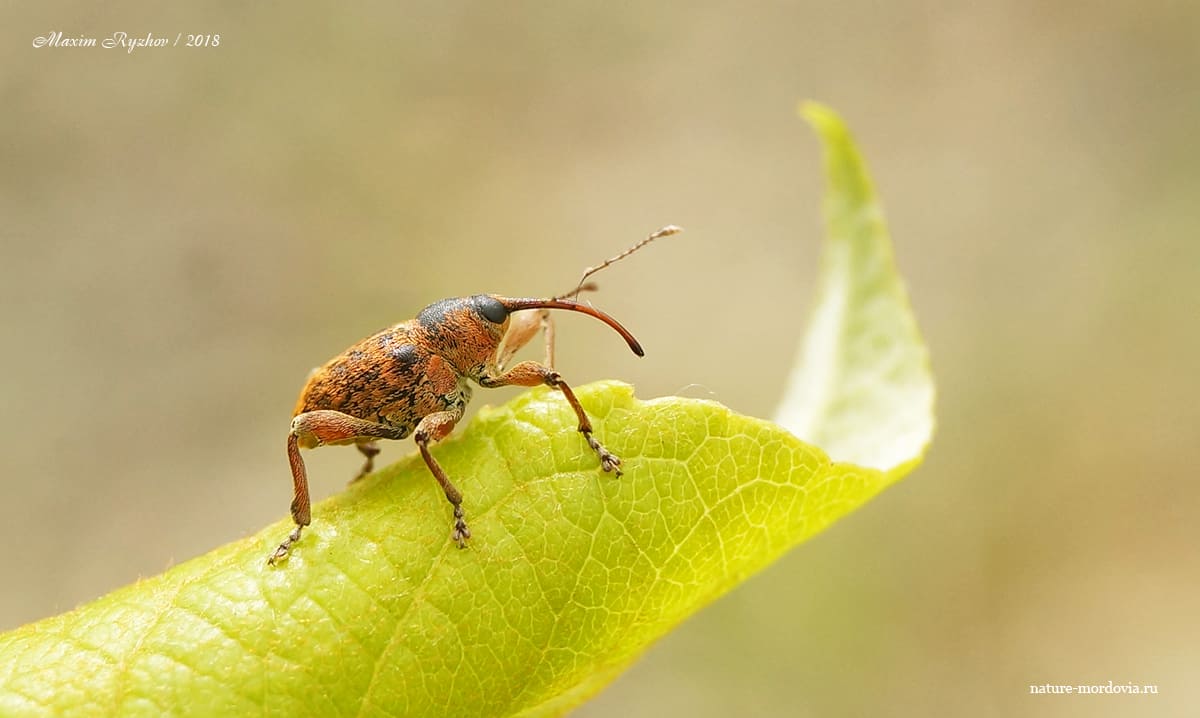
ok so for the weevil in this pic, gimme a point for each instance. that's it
(411, 379)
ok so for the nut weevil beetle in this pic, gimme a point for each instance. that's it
(411, 378)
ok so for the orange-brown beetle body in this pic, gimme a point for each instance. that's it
(411, 378)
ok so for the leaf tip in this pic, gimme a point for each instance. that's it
(822, 117)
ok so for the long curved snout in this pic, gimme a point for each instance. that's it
(516, 305)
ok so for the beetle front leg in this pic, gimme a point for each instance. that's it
(435, 427)
(522, 327)
(529, 373)
(548, 335)
(317, 428)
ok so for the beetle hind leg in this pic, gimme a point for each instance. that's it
(301, 507)
(318, 428)
(370, 450)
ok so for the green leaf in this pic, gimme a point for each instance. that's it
(570, 575)
(861, 388)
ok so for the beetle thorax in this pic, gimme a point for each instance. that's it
(461, 335)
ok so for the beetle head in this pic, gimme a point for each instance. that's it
(468, 331)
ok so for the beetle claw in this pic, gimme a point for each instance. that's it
(285, 548)
(461, 532)
(609, 461)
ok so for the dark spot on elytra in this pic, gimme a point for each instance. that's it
(405, 355)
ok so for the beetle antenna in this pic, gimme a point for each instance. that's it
(574, 293)
(582, 287)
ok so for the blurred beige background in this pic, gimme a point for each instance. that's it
(187, 231)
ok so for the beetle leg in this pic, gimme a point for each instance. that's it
(435, 427)
(520, 332)
(317, 428)
(529, 373)
(370, 450)
(522, 326)
(548, 334)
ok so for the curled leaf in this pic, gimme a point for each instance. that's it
(571, 573)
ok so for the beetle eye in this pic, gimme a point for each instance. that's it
(491, 309)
